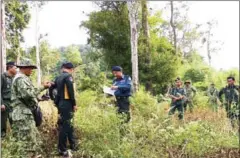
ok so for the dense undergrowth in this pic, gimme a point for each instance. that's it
(150, 134)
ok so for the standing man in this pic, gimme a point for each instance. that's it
(6, 109)
(24, 100)
(231, 102)
(190, 94)
(213, 97)
(122, 84)
(66, 104)
(177, 95)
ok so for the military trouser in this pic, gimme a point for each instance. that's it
(214, 106)
(188, 103)
(179, 106)
(25, 133)
(123, 105)
(66, 128)
(5, 115)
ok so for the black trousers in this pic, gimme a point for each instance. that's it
(4, 117)
(123, 105)
(66, 128)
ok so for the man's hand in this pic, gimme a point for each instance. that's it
(75, 108)
(47, 84)
(3, 108)
(114, 87)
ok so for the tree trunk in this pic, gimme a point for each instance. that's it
(146, 42)
(37, 49)
(3, 39)
(208, 43)
(173, 28)
(132, 13)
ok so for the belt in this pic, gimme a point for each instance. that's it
(122, 97)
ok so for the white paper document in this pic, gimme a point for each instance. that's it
(108, 90)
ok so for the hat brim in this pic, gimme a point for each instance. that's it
(30, 66)
(187, 82)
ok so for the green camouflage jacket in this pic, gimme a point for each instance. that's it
(190, 92)
(24, 96)
(212, 93)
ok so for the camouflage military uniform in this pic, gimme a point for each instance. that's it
(24, 98)
(231, 101)
(190, 93)
(6, 83)
(177, 92)
(213, 97)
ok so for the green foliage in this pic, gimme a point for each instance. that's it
(72, 54)
(109, 31)
(149, 134)
(17, 18)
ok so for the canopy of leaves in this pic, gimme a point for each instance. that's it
(17, 18)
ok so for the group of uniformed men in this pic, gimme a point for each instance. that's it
(19, 98)
(183, 96)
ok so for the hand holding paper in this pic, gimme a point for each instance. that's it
(108, 90)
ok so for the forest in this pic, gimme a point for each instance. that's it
(154, 51)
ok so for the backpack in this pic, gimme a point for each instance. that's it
(37, 114)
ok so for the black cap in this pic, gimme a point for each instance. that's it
(11, 63)
(67, 65)
(116, 68)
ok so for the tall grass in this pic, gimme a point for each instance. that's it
(150, 133)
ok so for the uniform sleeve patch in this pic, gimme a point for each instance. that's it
(71, 79)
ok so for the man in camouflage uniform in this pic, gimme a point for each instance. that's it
(213, 97)
(24, 100)
(177, 95)
(6, 109)
(190, 94)
(231, 102)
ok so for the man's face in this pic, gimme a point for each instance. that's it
(212, 85)
(230, 81)
(178, 83)
(27, 71)
(187, 84)
(117, 74)
(13, 70)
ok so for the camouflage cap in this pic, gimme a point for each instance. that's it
(26, 63)
(187, 81)
(212, 83)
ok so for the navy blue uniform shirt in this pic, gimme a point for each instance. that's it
(124, 86)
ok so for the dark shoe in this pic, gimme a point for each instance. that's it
(74, 147)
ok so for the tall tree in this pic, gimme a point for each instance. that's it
(213, 46)
(173, 27)
(3, 39)
(109, 32)
(38, 6)
(184, 35)
(17, 18)
(133, 16)
(146, 43)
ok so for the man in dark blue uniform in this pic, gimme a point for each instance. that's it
(66, 104)
(122, 84)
